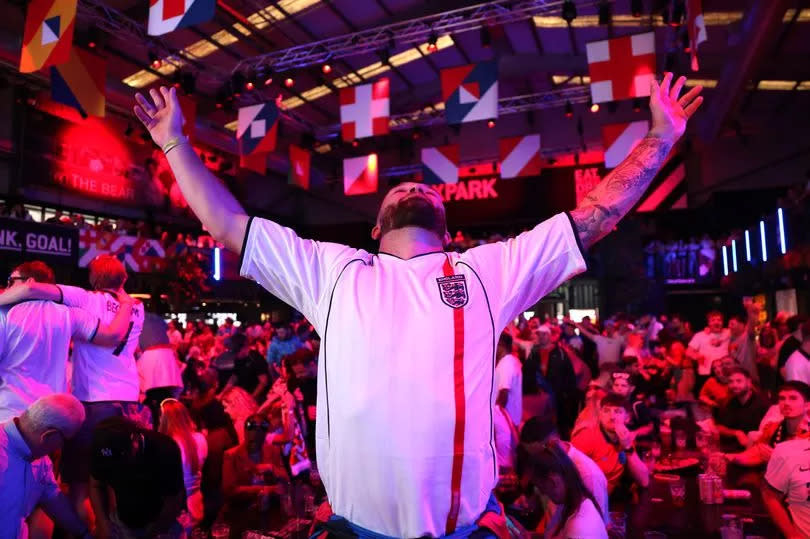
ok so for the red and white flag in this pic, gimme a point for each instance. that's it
(520, 156)
(299, 166)
(620, 139)
(696, 28)
(364, 110)
(621, 68)
(360, 175)
(168, 15)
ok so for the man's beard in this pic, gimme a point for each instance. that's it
(414, 211)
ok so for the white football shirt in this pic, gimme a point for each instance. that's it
(509, 376)
(789, 473)
(34, 346)
(406, 371)
(102, 373)
(711, 346)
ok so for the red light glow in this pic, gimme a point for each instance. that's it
(289, 82)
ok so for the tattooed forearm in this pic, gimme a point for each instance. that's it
(609, 201)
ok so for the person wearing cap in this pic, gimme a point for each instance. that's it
(26, 472)
(548, 368)
(136, 481)
(612, 445)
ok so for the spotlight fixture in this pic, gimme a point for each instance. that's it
(569, 110)
(154, 60)
(569, 11)
(486, 37)
(249, 86)
(288, 82)
(593, 106)
(188, 82)
(637, 105)
(636, 7)
(416, 135)
(355, 144)
(264, 76)
(92, 37)
(326, 68)
(604, 13)
(491, 124)
(432, 39)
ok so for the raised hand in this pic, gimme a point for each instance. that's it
(163, 118)
(670, 113)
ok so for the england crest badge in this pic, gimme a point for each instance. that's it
(453, 290)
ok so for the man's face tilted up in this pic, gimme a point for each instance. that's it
(412, 204)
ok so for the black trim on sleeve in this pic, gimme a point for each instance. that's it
(61, 295)
(95, 331)
(244, 242)
(576, 236)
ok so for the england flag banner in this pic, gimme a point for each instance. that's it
(364, 110)
(621, 68)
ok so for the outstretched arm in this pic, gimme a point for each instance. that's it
(613, 198)
(211, 201)
(29, 291)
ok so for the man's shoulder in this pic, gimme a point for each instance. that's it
(790, 449)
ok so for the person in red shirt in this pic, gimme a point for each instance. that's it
(612, 445)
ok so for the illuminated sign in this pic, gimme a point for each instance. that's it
(468, 190)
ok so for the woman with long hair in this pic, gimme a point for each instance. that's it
(239, 405)
(549, 469)
(176, 422)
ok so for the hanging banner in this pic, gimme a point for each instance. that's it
(29, 240)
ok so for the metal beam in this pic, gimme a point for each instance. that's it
(506, 105)
(760, 28)
(410, 32)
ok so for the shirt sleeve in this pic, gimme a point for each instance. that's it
(73, 296)
(779, 470)
(46, 480)
(84, 325)
(523, 269)
(503, 375)
(297, 271)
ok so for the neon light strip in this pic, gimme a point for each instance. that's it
(734, 255)
(762, 238)
(747, 246)
(217, 268)
(725, 260)
(783, 243)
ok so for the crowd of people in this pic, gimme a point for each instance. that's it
(187, 426)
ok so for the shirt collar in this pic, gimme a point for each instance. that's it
(16, 442)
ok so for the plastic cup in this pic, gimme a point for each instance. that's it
(680, 439)
(677, 489)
